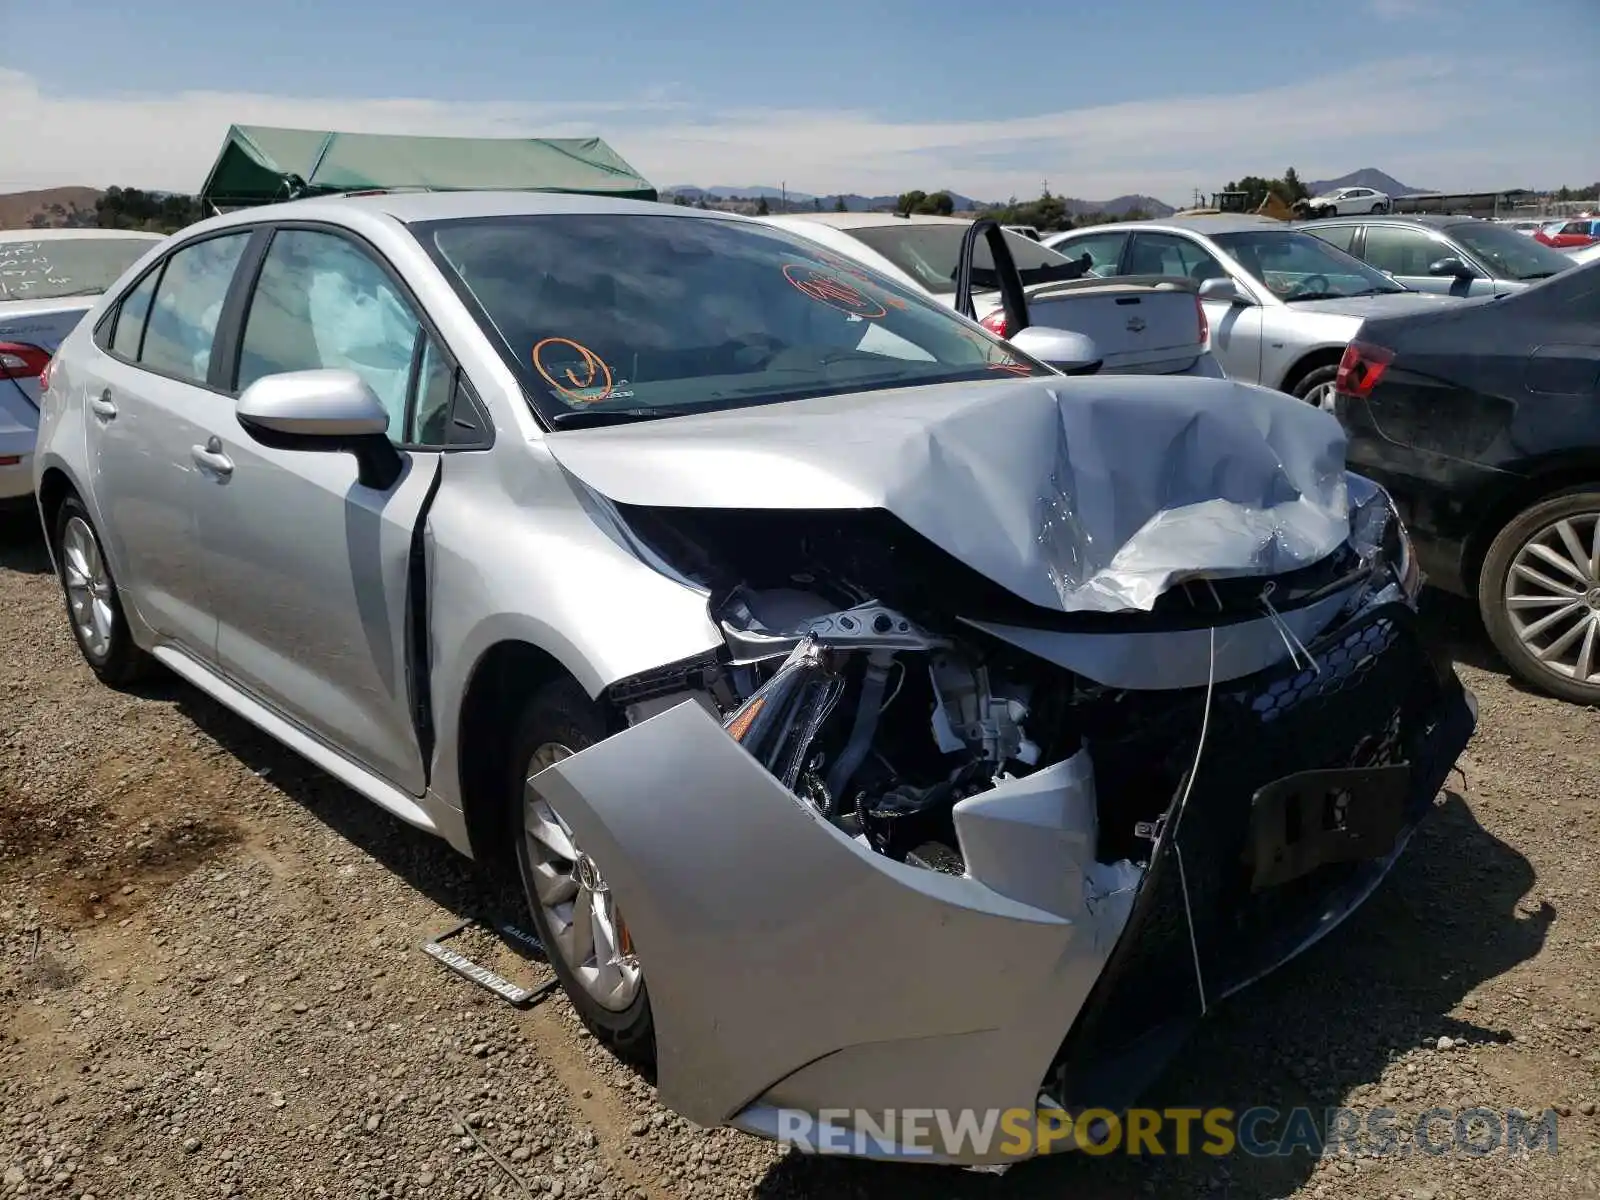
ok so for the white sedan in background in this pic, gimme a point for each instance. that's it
(48, 279)
(1342, 202)
(1584, 255)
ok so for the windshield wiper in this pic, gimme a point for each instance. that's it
(1539, 275)
(584, 418)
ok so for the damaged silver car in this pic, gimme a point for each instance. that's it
(877, 718)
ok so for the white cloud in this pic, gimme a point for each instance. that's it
(1387, 115)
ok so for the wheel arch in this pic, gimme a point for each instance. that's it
(1546, 481)
(503, 676)
(1311, 360)
(54, 487)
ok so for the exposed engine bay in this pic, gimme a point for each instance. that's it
(883, 720)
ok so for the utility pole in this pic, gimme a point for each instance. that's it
(783, 204)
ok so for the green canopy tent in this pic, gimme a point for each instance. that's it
(260, 164)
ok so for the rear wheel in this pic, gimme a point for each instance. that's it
(1315, 387)
(94, 608)
(1539, 594)
(574, 911)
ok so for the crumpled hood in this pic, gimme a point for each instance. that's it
(1093, 494)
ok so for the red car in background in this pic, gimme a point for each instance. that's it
(1569, 235)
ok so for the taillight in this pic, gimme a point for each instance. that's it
(1360, 369)
(44, 375)
(995, 322)
(19, 360)
(1200, 316)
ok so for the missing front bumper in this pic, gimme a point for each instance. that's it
(1376, 721)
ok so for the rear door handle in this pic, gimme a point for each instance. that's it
(102, 405)
(211, 458)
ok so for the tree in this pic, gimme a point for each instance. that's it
(681, 201)
(839, 205)
(763, 208)
(909, 202)
(703, 203)
(816, 204)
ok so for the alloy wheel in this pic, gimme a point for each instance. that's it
(89, 586)
(1552, 597)
(589, 932)
(1321, 397)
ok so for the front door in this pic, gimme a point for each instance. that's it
(147, 406)
(310, 568)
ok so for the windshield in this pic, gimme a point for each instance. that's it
(1295, 266)
(49, 268)
(1508, 254)
(928, 253)
(622, 317)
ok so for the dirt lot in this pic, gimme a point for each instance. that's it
(209, 982)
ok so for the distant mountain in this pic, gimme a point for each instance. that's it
(1148, 205)
(48, 208)
(855, 202)
(1366, 177)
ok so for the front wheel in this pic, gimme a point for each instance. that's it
(1539, 595)
(1380, 208)
(1316, 387)
(94, 607)
(575, 914)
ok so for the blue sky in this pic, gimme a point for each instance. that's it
(1158, 96)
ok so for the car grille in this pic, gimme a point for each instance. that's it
(1376, 699)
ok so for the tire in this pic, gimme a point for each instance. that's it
(559, 714)
(1514, 630)
(1380, 208)
(94, 605)
(1316, 386)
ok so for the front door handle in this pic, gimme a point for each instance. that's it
(102, 405)
(211, 458)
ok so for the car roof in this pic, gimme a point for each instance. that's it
(412, 207)
(77, 235)
(866, 220)
(1201, 223)
(1425, 220)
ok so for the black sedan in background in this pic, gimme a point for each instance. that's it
(1483, 421)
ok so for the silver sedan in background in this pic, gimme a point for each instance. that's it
(1282, 305)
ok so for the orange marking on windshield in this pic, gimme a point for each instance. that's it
(1012, 368)
(575, 389)
(833, 291)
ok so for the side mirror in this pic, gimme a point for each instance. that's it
(331, 411)
(1452, 267)
(1070, 353)
(1222, 289)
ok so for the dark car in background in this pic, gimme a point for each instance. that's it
(1483, 422)
(1459, 256)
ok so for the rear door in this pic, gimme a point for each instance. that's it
(149, 392)
(311, 568)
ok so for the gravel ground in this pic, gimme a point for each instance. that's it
(209, 982)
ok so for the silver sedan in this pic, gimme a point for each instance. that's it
(876, 719)
(1282, 304)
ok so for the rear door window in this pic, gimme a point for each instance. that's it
(1341, 237)
(1104, 250)
(182, 325)
(131, 314)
